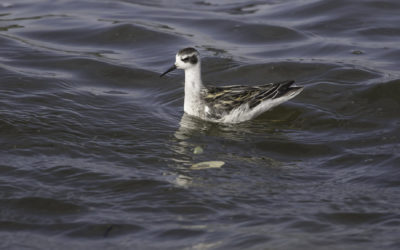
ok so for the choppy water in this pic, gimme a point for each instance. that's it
(94, 153)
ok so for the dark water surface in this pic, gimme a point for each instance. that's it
(95, 153)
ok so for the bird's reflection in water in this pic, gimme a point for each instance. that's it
(229, 143)
(212, 137)
(191, 126)
(188, 137)
(194, 132)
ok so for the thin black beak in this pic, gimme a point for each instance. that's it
(168, 70)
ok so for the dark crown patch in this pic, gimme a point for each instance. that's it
(188, 50)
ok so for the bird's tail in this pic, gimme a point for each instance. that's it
(285, 88)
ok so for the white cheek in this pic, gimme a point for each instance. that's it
(180, 64)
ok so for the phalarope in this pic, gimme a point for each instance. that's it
(228, 104)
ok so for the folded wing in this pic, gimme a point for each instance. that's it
(221, 100)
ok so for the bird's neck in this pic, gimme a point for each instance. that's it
(193, 86)
(193, 82)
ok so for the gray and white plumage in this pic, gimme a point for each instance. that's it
(228, 104)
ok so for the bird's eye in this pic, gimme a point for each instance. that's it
(185, 59)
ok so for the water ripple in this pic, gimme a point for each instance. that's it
(95, 151)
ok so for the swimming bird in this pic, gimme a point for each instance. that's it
(228, 104)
